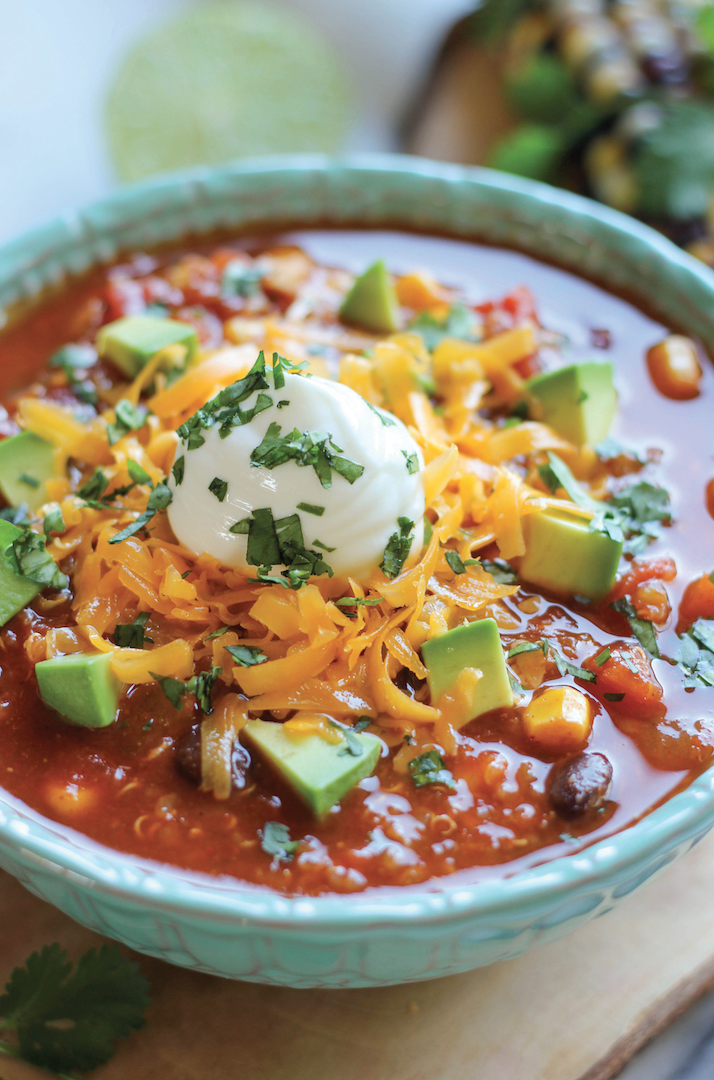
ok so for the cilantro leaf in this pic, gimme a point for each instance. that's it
(459, 323)
(225, 407)
(455, 562)
(398, 547)
(274, 543)
(175, 690)
(500, 571)
(695, 655)
(275, 840)
(310, 508)
(642, 629)
(132, 635)
(219, 488)
(218, 633)
(16, 515)
(30, 481)
(385, 417)
(33, 560)
(565, 667)
(525, 647)
(201, 686)
(429, 768)
(95, 487)
(358, 601)
(53, 522)
(178, 469)
(313, 449)
(129, 417)
(246, 655)
(362, 724)
(159, 499)
(68, 1017)
(136, 473)
(412, 463)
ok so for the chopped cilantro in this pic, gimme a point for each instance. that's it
(429, 768)
(31, 481)
(459, 323)
(386, 419)
(351, 745)
(201, 686)
(613, 697)
(323, 547)
(174, 689)
(159, 499)
(179, 469)
(358, 601)
(281, 404)
(362, 724)
(95, 487)
(565, 667)
(72, 358)
(398, 547)
(132, 635)
(310, 508)
(279, 543)
(695, 655)
(33, 560)
(246, 655)
(136, 473)
(642, 629)
(313, 449)
(412, 463)
(603, 657)
(241, 279)
(275, 840)
(278, 372)
(225, 408)
(500, 571)
(455, 562)
(219, 488)
(218, 633)
(525, 647)
(129, 417)
(53, 522)
(66, 1017)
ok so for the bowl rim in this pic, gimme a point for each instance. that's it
(33, 840)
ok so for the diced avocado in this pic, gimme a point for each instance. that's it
(321, 772)
(578, 401)
(476, 645)
(81, 687)
(564, 556)
(132, 342)
(16, 591)
(27, 462)
(372, 303)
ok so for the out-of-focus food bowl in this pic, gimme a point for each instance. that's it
(218, 925)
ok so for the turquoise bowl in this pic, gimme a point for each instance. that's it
(216, 924)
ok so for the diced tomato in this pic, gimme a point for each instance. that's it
(528, 367)
(660, 567)
(513, 310)
(520, 304)
(628, 671)
(697, 603)
(124, 296)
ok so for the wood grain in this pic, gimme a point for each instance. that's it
(574, 1010)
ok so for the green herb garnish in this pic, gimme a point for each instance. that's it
(613, 697)
(136, 473)
(642, 629)
(17, 515)
(178, 470)
(218, 633)
(459, 323)
(603, 657)
(308, 449)
(279, 543)
(455, 562)
(385, 417)
(219, 488)
(246, 655)
(94, 488)
(412, 463)
(201, 686)
(525, 647)
(66, 1017)
(275, 840)
(429, 768)
(30, 481)
(129, 417)
(53, 522)
(159, 499)
(565, 667)
(241, 279)
(358, 601)
(225, 408)
(695, 655)
(132, 635)
(398, 547)
(500, 571)
(33, 561)
(309, 508)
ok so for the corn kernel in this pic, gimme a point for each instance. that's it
(559, 717)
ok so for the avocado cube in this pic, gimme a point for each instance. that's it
(16, 592)
(476, 645)
(564, 556)
(81, 687)
(27, 462)
(321, 772)
(371, 303)
(578, 401)
(132, 342)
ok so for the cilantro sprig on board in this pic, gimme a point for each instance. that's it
(67, 1017)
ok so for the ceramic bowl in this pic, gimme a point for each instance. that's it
(215, 924)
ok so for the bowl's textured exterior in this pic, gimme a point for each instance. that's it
(217, 925)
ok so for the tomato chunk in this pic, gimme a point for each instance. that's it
(627, 671)
(660, 567)
(697, 603)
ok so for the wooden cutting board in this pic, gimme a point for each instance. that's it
(574, 1010)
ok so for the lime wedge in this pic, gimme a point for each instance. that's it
(225, 80)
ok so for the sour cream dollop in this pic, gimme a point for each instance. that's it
(221, 485)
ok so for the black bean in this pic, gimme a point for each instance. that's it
(188, 755)
(579, 784)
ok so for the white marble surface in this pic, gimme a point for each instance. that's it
(58, 56)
